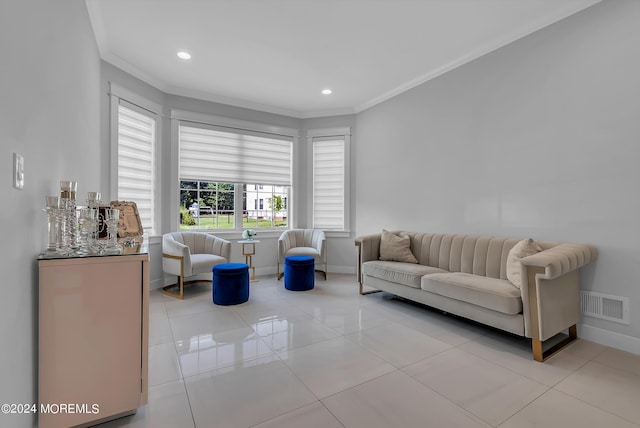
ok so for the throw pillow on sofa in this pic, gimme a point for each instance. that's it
(396, 248)
(524, 248)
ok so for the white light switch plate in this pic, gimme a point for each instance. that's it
(18, 171)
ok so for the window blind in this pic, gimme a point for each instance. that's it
(328, 183)
(220, 155)
(136, 137)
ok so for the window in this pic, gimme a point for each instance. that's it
(329, 178)
(134, 139)
(241, 178)
(274, 215)
(207, 205)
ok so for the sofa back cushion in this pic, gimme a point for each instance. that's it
(478, 255)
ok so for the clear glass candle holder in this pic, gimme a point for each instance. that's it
(69, 241)
(53, 224)
(94, 199)
(88, 222)
(112, 217)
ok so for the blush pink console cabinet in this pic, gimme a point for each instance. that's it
(93, 338)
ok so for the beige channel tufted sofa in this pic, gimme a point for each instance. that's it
(465, 275)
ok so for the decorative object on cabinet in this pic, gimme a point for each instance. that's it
(53, 225)
(102, 225)
(94, 199)
(87, 224)
(129, 223)
(69, 240)
(112, 219)
(92, 230)
(186, 254)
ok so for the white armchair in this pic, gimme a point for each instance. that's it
(303, 242)
(187, 254)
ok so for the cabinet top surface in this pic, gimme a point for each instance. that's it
(138, 249)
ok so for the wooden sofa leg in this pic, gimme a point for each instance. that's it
(540, 355)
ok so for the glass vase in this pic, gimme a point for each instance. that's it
(69, 232)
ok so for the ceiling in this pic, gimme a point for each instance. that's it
(278, 55)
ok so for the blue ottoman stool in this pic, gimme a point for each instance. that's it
(299, 273)
(230, 284)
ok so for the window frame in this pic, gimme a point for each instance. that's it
(319, 134)
(142, 105)
(178, 116)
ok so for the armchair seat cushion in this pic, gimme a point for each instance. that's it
(202, 263)
(303, 251)
(499, 295)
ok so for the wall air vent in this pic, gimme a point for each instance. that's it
(605, 306)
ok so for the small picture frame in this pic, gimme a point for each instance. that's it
(102, 225)
(129, 224)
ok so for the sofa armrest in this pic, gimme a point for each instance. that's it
(551, 292)
(368, 247)
(561, 259)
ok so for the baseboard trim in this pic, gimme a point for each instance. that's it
(264, 271)
(331, 268)
(159, 283)
(342, 269)
(610, 338)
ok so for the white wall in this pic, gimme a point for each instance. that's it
(49, 87)
(540, 138)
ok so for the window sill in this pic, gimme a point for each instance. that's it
(266, 234)
(237, 234)
(155, 239)
(337, 233)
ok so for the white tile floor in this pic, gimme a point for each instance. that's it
(329, 357)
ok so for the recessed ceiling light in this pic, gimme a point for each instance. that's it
(326, 91)
(184, 55)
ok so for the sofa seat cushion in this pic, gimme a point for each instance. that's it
(402, 273)
(491, 293)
